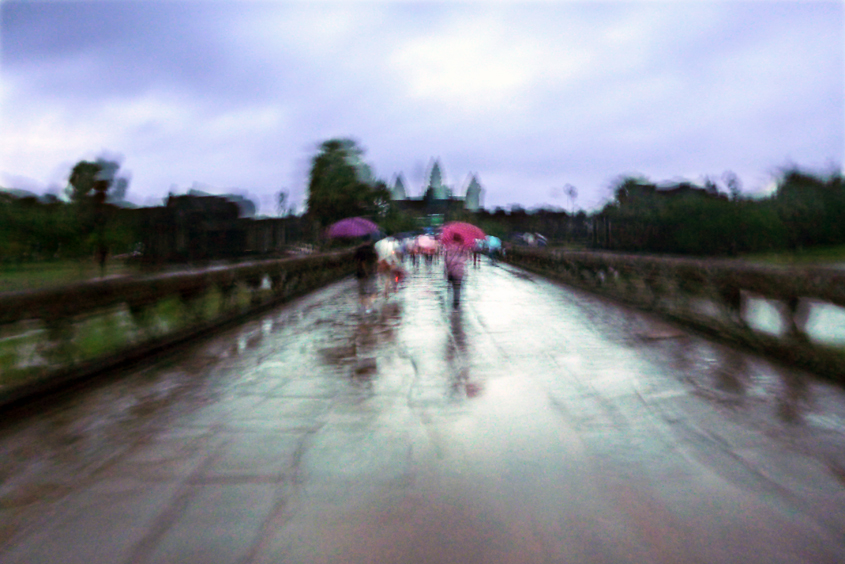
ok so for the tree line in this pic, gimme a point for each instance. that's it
(804, 211)
(87, 222)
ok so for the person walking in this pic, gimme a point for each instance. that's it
(454, 259)
(365, 271)
(389, 267)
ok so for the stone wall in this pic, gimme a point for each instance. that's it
(723, 298)
(52, 337)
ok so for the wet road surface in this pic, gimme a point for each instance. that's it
(534, 424)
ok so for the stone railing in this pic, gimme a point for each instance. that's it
(769, 309)
(51, 337)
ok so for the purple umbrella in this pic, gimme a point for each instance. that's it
(352, 227)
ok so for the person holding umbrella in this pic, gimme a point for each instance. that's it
(389, 266)
(365, 271)
(455, 259)
(365, 255)
(458, 238)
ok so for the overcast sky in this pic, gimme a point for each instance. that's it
(236, 96)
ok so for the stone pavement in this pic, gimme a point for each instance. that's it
(534, 424)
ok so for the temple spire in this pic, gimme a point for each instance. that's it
(398, 190)
(472, 202)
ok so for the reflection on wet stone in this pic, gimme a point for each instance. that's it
(339, 354)
(792, 398)
(365, 367)
(729, 370)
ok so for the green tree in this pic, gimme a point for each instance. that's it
(81, 181)
(91, 186)
(96, 182)
(341, 184)
(397, 221)
(812, 208)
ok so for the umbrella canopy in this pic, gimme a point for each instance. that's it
(352, 227)
(460, 233)
(386, 249)
(426, 242)
(494, 243)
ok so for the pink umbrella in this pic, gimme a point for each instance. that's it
(352, 227)
(426, 242)
(461, 234)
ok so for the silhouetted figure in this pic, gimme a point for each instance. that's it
(102, 255)
(365, 271)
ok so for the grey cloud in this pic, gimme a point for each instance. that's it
(693, 92)
(96, 50)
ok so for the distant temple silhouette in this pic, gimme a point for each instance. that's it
(436, 196)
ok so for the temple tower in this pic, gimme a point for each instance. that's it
(398, 190)
(472, 202)
(435, 183)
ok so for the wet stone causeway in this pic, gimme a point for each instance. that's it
(535, 423)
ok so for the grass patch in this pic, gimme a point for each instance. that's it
(19, 357)
(169, 315)
(101, 335)
(562, 246)
(38, 275)
(833, 255)
(8, 361)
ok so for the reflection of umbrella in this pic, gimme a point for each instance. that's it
(460, 233)
(352, 227)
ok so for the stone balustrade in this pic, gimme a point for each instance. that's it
(54, 336)
(719, 297)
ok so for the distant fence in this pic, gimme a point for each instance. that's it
(51, 337)
(794, 314)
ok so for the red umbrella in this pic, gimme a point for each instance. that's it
(460, 233)
(352, 227)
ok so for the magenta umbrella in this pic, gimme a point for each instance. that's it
(352, 227)
(461, 234)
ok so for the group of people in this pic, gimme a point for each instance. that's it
(379, 268)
